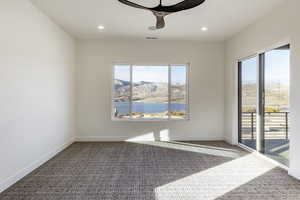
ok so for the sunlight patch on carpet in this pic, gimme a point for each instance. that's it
(215, 182)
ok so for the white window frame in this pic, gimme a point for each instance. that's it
(187, 98)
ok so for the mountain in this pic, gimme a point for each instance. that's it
(276, 95)
(120, 83)
(147, 92)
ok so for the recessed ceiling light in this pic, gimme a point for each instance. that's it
(204, 28)
(100, 27)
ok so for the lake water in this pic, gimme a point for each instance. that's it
(123, 107)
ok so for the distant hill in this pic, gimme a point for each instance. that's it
(148, 92)
(277, 95)
(121, 83)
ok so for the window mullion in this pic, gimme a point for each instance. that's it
(187, 95)
(131, 92)
(169, 92)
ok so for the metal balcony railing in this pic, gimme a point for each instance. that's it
(276, 125)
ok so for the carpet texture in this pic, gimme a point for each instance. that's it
(156, 171)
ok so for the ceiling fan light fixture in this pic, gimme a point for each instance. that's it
(152, 28)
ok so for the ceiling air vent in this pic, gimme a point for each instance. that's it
(151, 38)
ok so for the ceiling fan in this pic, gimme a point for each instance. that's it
(161, 11)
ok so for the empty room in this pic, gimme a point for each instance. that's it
(149, 100)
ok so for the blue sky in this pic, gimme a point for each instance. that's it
(276, 69)
(151, 73)
(122, 72)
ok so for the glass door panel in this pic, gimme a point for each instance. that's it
(276, 109)
(248, 102)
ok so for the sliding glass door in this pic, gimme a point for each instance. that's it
(264, 103)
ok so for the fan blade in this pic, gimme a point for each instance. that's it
(160, 22)
(184, 5)
(128, 3)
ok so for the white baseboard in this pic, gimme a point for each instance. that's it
(294, 173)
(25, 171)
(229, 141)
(126, 138)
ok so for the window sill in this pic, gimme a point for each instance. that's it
(148, 120)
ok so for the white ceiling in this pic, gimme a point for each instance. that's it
(223, 18)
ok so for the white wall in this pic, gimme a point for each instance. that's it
(95, 60)
(279, 27)
(36, 89)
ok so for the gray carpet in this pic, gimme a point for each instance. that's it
(156, 171)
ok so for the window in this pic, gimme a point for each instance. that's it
(157, 92)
